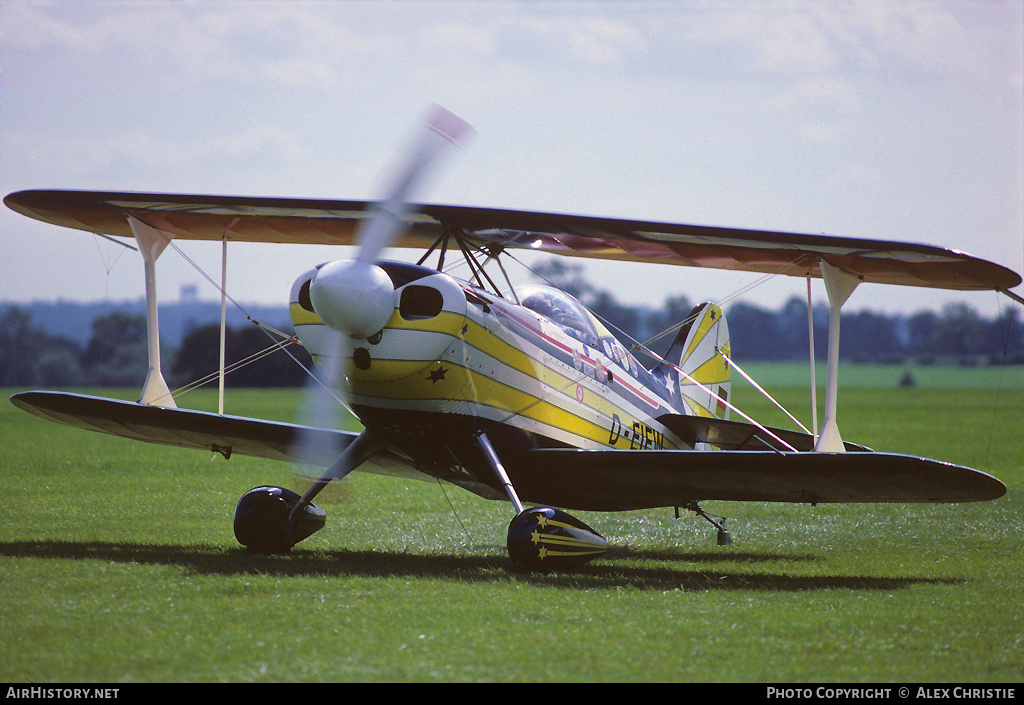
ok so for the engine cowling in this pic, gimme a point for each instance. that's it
(428, 308)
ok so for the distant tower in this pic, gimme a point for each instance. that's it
(189, 293)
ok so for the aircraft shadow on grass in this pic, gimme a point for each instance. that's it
(610, 573)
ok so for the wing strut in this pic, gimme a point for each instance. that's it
(223, 321)
(151, 244)
(1015, 297)
(838, 285)
(814, 381)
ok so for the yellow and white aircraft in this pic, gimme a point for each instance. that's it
(517, 394)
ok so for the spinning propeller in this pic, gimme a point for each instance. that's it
(354, 298)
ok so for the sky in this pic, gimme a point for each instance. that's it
(897, 121)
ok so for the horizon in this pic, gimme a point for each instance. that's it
(185, 299)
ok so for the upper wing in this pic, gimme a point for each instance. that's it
(336, 222)
(186, 428)
(618, 480)
(187, 217)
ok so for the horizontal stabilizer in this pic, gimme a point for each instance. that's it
(618, 480)
(737, 435)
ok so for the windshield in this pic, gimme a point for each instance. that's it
(559, 307)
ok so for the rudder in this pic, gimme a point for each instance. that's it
(694, 358)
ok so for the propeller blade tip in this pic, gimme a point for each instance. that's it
(449, 125)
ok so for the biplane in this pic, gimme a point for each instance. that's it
(513, 393)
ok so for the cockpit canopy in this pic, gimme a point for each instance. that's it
(560, 308)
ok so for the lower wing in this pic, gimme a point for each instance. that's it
(616, 480)
(185, 428)
(600, 480)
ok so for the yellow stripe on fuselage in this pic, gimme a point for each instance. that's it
(557, 406)
(463, 384)
(535, 367)
(552, 401)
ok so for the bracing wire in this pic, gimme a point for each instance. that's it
(756, 386)
(105, 258)
(233, 367)
(452, 507)
(268, 330)
(644, 348)
(726, 402)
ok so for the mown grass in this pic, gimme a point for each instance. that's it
(117, 564)
(880, 376)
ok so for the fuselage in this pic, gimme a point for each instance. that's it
(454, 361)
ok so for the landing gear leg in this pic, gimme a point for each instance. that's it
(357, 452)
(724, 538)
(271, 519)
(542, 539)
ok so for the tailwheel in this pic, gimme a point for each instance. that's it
(264, 521)
(724, 538)
(543, 539)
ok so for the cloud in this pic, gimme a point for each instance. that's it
(926, 38)
(590, 39)
(81, 158)
(763, 38)
(291, 44)
(803, 116)
(459, 39)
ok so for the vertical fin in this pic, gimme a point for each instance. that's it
(698, 377)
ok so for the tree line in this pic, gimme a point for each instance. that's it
(116, 353)
(955, 335)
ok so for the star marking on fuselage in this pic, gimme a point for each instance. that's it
(437, 375)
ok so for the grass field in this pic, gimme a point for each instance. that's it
(118, 564)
